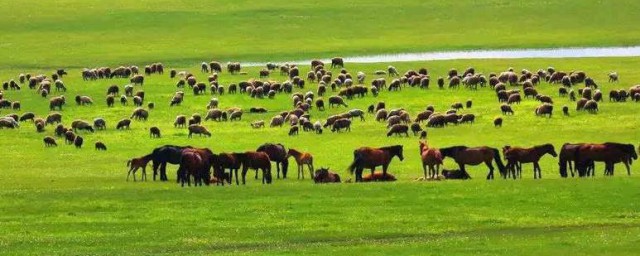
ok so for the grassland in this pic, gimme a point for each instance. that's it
(72, 33)
(63, 200)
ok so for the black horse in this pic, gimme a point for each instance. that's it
(166, 154)
(277, 153)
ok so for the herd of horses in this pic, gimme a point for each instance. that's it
(204, 167)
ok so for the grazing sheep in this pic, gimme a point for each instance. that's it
(140, 114)
(506, 109)
(497, 122)
(436, 120)
(565, 110)
(337, 61)
(544, 109)
(415, 128)
(110, 101)
(591, 106)
(451, 118)
(258, 124)
(597, 95)
(198, 129)
(580, 104)
(529, 91)
(467, 118)
(54, 118)
(6, 122)
(277, 121)
(50, 142)
(99, 123)
(457, 106)
(56, 102)
(69, 137)
(39, 122)
(181, 121)
(101, 146)
(83, 100)
(293, 130)
(124, 123)
(391, 70)
(78, 141)
(423, 135)
(81, 125)
(235, 115)
(216, 115)
(154, 132)
(422, 116)
(137, 79)
(393, 120)
(336, 100)
(469, 104)
(342, 123)
(27, 116)
(398, 129)
(613, 77)
(514, 98)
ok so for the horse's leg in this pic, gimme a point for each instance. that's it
(129, 173)
(384, 170)
(163, 172)
(155, 169)
(626, 164)
(236, 170)
(424, 169)
(490, 175)
(536, 172)
(311, 170)
(571, 169)
(244, 174)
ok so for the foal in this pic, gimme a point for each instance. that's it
(302, 158)
(137, 163)
(430, 157)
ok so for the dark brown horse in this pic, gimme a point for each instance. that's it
(367, 157)
(517, 156)
(224, 161)
(567, 157)
(610, 153)
(323, 175)
(474, 156)
(277, 153)
(255, 160)
(193, 164)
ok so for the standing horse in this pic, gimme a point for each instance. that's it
(367, 157)
(226, 161)
(255, 160)
(193, 164)
(137, 163)
(474, 156)
(277, 153)
(163, 155)
(430, 157)
(517, 156)
(567, 156)
(302, 159)
(609, 153)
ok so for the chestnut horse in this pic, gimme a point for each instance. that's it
(323, 175)
(302, 158)
(474, 156)
(367, 157)
(277, 153)
(137, 163)
(255, 160)
(610, 153)
(430, 157)
(567, 156)
(517, 156)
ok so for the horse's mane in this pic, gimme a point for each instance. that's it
(388, 148)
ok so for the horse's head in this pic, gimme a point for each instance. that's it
(399, 153)
(551, 150)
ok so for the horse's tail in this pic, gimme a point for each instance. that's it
(128, 163)
(355, 163)
(496, 157)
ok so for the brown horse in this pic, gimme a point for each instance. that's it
(367, 157)
(430, 157)
(567, 156)
(255, 160)
(517, 156)
(193, 164)
(302, 158)
(474, 156)
(224, 161)
(323, 175)
(277, 153)
(609, 153)
(137, 163)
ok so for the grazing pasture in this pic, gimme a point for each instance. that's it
(88, 200)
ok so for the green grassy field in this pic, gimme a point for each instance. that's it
(62, 201)
(74, 33)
